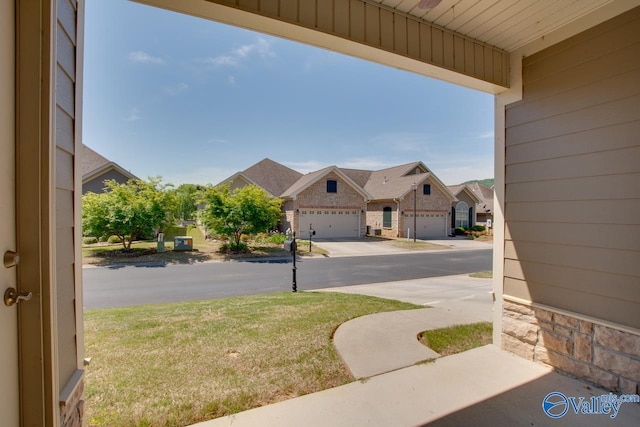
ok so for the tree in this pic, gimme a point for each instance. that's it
(247, 210)
(126, 210)
(185, 205)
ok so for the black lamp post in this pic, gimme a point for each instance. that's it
(415, 192)
(294, 284)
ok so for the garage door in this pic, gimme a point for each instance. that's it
(430, 225)
(330, 223)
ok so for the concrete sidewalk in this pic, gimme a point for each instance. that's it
(482, 387)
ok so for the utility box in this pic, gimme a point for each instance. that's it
(183, 243)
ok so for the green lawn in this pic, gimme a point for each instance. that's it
(177, 364)
(458, 338)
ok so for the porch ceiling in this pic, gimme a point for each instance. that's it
(506, 24)
(473, 43)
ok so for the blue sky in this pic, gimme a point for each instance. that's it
(196, 101)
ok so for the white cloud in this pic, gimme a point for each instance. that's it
(403, 141)
(201, 176)
(144, 58)
(134, 115)
(177, 89)
(220, 61)
(217, 141)
(486, 135)
(261, 48)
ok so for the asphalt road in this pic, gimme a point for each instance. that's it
(136, 285)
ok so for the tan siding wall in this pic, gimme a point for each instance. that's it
(572, 176)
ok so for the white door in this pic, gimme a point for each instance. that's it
(329, 223)
(431, 225)
(9, 386)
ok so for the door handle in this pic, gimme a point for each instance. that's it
(11, 297)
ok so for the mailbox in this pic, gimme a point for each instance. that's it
(290, 245)
(160, 242)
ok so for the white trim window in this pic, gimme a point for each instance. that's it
(462, 215)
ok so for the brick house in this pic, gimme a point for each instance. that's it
(336, 202)
(327, 201)
(464, 209)
(399, 193)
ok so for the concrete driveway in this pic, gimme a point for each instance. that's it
(360, 247)
(368, 247)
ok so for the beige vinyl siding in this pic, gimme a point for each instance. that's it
(64, 197)
(572, 173)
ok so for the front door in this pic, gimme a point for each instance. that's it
(9, 386)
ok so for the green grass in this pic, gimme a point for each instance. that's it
(177, 364)
(458, 338)
(418, 245)
(482, 275)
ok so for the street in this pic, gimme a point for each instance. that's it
(136, 285)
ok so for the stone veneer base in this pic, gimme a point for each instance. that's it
(598, 353)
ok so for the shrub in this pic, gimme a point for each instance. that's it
(478, 228)
(277, 238)
(460, 231)
(89, 240)
(229, 247)
(114, 239)
(172, 231)
(273, 238)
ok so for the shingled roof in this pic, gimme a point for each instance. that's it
(94, 164)
(91, 160)
(485, 194)
(457, 189)
(396, 182)
(272, 176)
(390, 183)
(310, 178)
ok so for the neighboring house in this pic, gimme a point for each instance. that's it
(336, 202)
(96, 169)
(271, 176)
(484, 208)
(328, 202)
(390, 212)
(463, 210)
